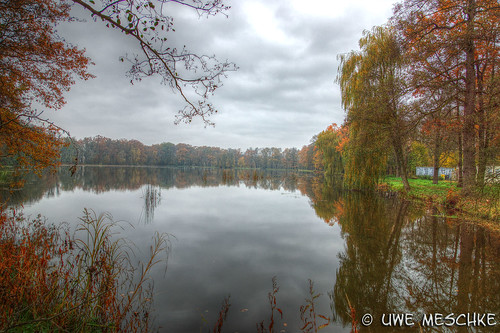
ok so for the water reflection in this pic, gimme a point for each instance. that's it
(103, 179)
(450, 267)
(383, 255)
(404, 259)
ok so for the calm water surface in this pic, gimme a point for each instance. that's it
(233, 231)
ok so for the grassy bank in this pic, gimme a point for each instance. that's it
(482, 203)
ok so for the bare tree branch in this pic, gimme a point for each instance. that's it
(147, 24)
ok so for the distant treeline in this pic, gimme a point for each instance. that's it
(105, 151)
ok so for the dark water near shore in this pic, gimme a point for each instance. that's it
(233, 231)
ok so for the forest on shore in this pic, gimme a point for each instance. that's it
(100, 150)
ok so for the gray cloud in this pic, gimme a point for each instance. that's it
(283, 93)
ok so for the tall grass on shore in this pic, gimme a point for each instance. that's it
(52, 281)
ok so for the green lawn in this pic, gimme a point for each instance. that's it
(483, 203)
(422, 188)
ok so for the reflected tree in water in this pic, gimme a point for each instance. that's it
(451, 267)
(372, 233)
(403, 260)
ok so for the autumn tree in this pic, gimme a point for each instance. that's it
(437, 124)
(454, 44)
(305, 156)
(290, 158)
(36, 68)
(374, 96)
(436, 135)
(250, 158)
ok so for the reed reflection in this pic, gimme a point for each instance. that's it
(152, 199)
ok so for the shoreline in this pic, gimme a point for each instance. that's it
(483, 204)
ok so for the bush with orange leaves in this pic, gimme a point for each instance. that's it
(50, 280)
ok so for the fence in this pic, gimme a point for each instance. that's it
(429, 171)
(492, 173)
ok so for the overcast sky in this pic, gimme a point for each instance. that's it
(283, 93)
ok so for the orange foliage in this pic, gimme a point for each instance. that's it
(37, 67)
(327, 145)
(35, 147)
(304, 156)
(26, 261)
(446, 127)
(342, 132)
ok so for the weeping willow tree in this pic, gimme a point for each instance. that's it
(365, 156)
(374, 96)
(328, 145)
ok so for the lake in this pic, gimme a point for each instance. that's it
(232, 231)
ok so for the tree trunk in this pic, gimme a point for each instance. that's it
(469, 137)
(437, 153)
(435, 171)
(460, 180)
(400, 161)
(404, 177)
(483, 132)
